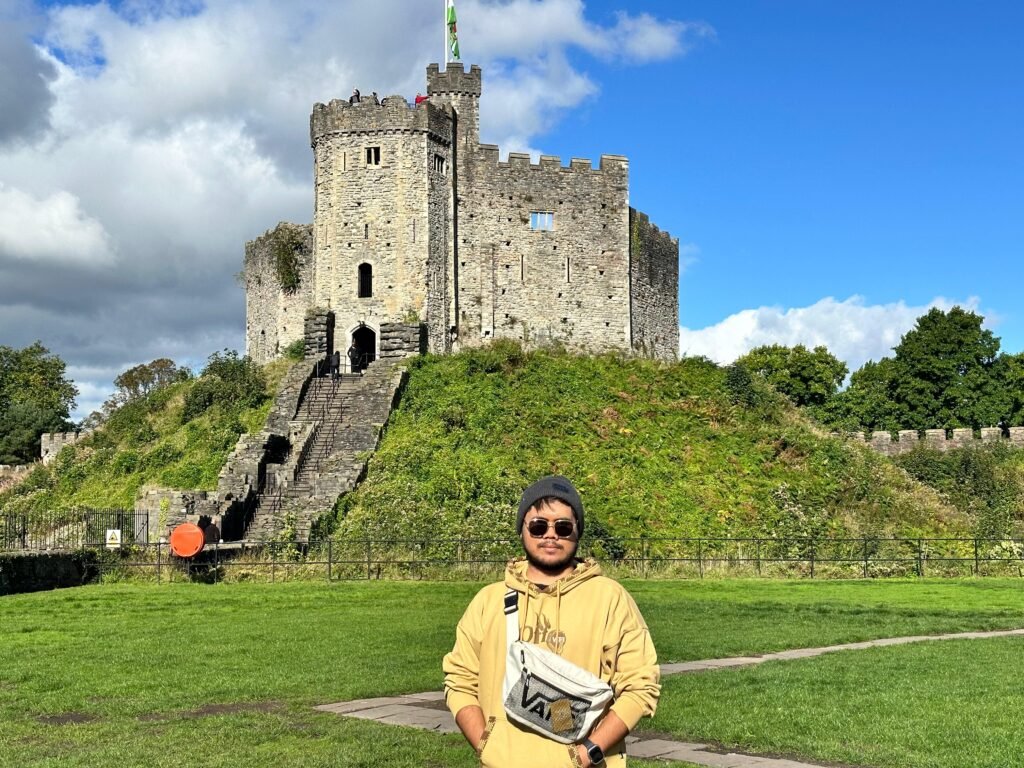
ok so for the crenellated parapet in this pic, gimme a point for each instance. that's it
(455, 80)
(52, 443)
(488, 157)
(394, 115)
(907, 440)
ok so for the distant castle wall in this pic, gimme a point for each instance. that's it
(654, 281)
(909, 439)
(12, 475)
(52, 443)
(274, 317)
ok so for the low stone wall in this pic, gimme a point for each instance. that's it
(10, 475)
(397, 340)
(908, 439)
(36, 572)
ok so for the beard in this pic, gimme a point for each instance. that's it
(551, 565)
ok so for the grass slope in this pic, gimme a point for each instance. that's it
(688, 449)
(143, 443)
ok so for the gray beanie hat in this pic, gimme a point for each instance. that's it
(553, 485)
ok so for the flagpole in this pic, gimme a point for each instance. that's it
(444, 17)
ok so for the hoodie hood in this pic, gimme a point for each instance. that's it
(515, 577)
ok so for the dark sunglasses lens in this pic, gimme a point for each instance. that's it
(563, 528)
(538, 527)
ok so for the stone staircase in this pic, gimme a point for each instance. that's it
(335, 428)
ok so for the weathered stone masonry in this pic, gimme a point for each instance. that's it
(416, 222)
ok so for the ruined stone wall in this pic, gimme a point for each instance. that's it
(654, 289)
(10, 475)
(570, 284)
(377, 213)
(909, 439)
(274, 317)
(52, 443)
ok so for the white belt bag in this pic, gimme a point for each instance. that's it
(546, 693)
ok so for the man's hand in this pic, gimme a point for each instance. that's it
(584, 756)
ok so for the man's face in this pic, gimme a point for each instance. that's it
(548, 552)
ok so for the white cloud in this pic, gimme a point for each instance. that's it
(52, 229)
(852, 330)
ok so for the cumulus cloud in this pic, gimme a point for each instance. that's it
(54, 229)
(853, 330)
(143, 142)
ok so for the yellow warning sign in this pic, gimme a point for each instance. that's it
(113, 538)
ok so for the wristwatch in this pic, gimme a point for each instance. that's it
(595, 752)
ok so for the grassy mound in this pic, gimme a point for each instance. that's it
(163, 439)
(688, 449)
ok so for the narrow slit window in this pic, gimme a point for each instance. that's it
(366, 231)
(440, 166)
(568, 276)
(522, 269)
(542, 221)
(365, 281)
(373, 155)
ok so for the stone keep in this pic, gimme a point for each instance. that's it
(416, 223)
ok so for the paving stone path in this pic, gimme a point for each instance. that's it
(428, 711)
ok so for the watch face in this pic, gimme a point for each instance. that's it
(596, 755)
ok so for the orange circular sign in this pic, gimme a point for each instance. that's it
(187, 540)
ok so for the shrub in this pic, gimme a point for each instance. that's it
(229, 381)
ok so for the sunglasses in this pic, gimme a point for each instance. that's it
(564, 528)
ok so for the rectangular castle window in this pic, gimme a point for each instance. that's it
(440, 166)
(542, 221)
(373, 155)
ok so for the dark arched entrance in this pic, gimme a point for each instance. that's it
(364, 339)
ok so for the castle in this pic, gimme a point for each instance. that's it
(423, 240)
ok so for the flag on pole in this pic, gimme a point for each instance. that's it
(453, 35)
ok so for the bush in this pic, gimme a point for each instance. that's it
(228, 381)
(296, 350)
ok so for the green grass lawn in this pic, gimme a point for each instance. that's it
(227, 675)
(930, 705)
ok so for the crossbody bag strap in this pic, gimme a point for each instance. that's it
(511, 618)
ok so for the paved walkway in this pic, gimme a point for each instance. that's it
(428, 711)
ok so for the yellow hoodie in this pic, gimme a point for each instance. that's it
(589, 620)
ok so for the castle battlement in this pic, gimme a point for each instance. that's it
(454, 80)
(393, 114)
(653, 231)
(909, 439)
(489, 154)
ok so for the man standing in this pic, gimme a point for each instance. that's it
(566, 606)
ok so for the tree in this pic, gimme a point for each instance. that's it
(807, 377)
(35, 397)
(139, 381)
(946, 372)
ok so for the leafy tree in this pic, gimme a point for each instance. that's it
(807, 377)
(946, 372)
(35, 397)
(139, 381)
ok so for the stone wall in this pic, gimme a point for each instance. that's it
(10, 476)
(908, 439)
(654, 289)
(52, 443)
(273, 316)
(397, 340)
(569, 284)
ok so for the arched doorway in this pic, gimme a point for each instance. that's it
(364, 339)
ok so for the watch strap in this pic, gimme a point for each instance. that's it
(595, 752)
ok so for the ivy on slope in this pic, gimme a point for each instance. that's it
(152, 441)
(687, 449)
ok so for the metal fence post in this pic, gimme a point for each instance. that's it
(700, 557)
(865, 557)
(330, 555)
(812, 559)
(273, 564)
(158, 564)
(757, 545)
(368, 566)
(975, 556)
(920, 560)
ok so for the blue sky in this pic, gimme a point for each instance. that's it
(831, 169)
(819, 149)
